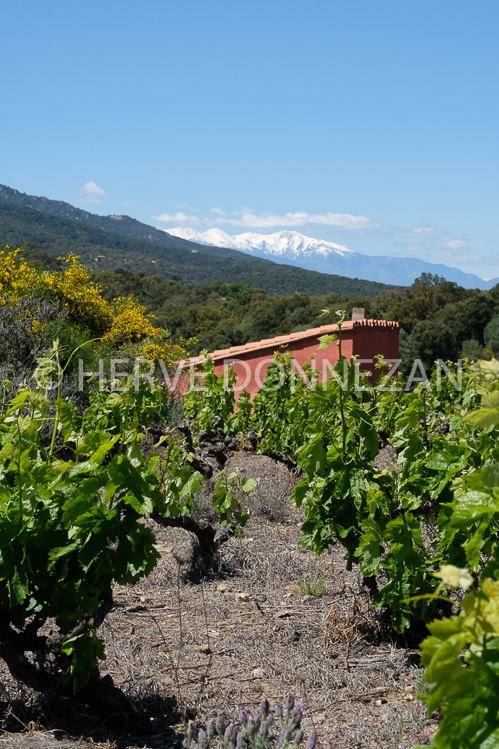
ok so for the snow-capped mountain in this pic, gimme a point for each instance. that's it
(288, 245)
(293, 248)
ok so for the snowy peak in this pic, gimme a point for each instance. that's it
(213, 237)
(292, 248)
(286, 245)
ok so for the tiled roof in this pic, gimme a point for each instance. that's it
(283, 340)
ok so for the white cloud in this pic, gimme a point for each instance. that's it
(218, 211)
(438, 239)
(422, 229)
(91, 193)
(456, 244)
(129, 204)
(248, 218)
(176, 217)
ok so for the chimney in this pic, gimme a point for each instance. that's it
(359, 313)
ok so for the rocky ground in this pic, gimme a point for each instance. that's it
(274, 620)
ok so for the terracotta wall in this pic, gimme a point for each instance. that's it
(364, 339)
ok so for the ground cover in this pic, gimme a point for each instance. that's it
(181, 650)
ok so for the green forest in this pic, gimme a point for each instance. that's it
(438, 318)
(119, 245)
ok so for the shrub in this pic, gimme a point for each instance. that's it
(66, 303)
(26, 326)
(264, 730)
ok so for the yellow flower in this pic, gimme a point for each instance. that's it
(121, 323)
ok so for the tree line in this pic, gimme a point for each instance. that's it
(438, 318)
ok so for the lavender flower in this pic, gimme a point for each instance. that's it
(254, 731)
(264, 707)
(189, 734)
(230, 733)
(297, 714)
(284, 737)
(220, 724)
(312, 740)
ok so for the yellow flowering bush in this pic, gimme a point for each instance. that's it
(130, 323)
(16, 277)
(122, 324)
(82, 298)
(169, 352)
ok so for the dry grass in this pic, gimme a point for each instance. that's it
(182, 650)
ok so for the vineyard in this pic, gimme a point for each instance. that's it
(88, 488)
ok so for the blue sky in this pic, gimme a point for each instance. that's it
(371, 124)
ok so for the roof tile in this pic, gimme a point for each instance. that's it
(281, 340)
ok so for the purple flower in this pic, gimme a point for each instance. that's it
(297, 714)
(312, 740)
(220, 724)
(189, 734)
(284, 737)
(264, 707)
(290, 702)
(230, 732)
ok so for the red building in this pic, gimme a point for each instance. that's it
(362, 338)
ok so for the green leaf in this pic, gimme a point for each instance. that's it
(249, 485)
(18, 586)
(75, 507)
(327, 340)
(61, 551)
(65, 413)
(369, 552)
(488, 413)
(193, 484)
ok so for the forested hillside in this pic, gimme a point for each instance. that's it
(171, 258)
(439, 320)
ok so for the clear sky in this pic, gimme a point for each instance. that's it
(371, 123)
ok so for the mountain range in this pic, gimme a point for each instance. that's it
(112, 242)
(280, 263)
(328, 257)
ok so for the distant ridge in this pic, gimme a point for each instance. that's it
(327, 257)
(110, 242)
